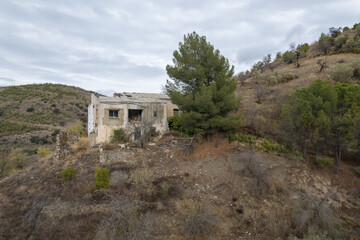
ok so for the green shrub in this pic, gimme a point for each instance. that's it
(340, 42)
(246, 138)
(174, 123)
(268, 146)
(324, 161)
(287, 77)
(43, 151)
(231, 137)
(13, 127)
(273, 80)
(102, 176)
(342, 73)
(68, 174)
(29, 151)
(39, 140)
(78, 128)
(18, 159)
(56, 111)
(289, 150)
(30, 109)
(289, 57)
(119, 135)
(241, 138)
(303, 48)
(356, 65)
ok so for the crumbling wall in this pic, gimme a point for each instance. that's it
(63, 141)
(123, 155)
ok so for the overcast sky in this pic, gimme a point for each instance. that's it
(116, 45)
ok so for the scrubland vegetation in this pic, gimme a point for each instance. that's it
(32, 116)
(265, 162)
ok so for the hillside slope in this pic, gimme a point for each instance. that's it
(335, 56)
(263, 117)
(221, 191)
(37, 110)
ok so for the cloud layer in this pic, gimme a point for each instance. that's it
(110, 46)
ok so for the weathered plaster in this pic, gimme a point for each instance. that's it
(103, 125)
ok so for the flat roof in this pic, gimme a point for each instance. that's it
(132, 97)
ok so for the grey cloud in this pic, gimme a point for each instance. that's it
(7, 80)
(125, 45)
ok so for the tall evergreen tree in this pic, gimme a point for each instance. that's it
(308, 113)
(325, 113)
(345, 119)
(203, 86)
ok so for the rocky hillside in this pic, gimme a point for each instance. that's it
(34, 112)
(264, 88)
(221, 190)
(262, 99)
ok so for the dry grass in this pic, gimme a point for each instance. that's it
(126, 223)
(259, 174)
(81, 145)
(108, 146)
(43, 151)
(196, 221)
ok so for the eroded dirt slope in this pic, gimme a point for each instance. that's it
(245, 193)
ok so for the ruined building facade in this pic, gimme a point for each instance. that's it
(134, 112)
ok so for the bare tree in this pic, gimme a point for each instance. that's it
(292, 47)
(259, 174)
(260, 93)
(242, 76)
(309, 212)
(322, 63)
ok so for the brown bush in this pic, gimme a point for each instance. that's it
(125, 222)
(118, 179)
(80, 145)
(312, 215)
(108, 146)
(259, 174)
(196, 221)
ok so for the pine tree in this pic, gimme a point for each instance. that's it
(203, 86)
(325, 113)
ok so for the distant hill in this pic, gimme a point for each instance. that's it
(36, 112)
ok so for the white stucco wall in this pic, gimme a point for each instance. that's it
(91, 119)
(101, 126)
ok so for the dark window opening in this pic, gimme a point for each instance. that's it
(176, 111)
(113, 113)
(135, 115)
(155, 113)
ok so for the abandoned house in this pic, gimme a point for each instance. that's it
(136, 113)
